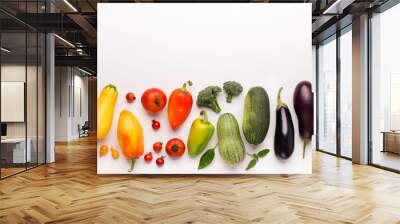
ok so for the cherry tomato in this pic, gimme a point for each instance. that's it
(103, 150)
(130, 97)
(175, 147)
(157, 147)
(154, 100)
(155, 124)
(148, 157)
(160, 161)
(114, 153)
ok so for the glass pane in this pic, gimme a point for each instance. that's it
(13, 85)
(327, 96)
(385, 84)
(41, 98)
(31, 98)
(346, 94)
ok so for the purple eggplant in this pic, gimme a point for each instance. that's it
(303, 101)
(284, 131)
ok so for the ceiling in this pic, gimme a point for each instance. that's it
(75, 22)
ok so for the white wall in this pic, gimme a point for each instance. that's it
(70, 83)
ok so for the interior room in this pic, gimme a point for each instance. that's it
(199, 111)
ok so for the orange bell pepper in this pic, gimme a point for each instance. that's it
(130, 136)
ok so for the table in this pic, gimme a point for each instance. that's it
(18, 150)
(391, 141)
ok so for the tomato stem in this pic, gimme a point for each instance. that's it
(175, 148)
(132, 165)
(157, 102)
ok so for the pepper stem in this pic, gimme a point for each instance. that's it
(205, 116)
(280, 102)
(132, 165)
(184, 86)
(112, 87)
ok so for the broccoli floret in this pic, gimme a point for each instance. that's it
(208, 98)
(232, 89)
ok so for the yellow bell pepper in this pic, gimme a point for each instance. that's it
(105, 110)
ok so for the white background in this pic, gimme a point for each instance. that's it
(162, 45)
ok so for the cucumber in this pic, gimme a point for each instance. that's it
(230, 143)
(256, 115)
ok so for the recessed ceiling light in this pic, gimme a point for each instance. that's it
(84, 71)
(5, 50)
(64, 40)
(70, 5)
(337, 7)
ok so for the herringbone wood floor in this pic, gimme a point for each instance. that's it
(69, 191)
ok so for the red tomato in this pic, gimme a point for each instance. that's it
(175, 147)
(130, 97)
(160, 161)
(148, 157)
(155, 124)
(157, 147)
(154, 100)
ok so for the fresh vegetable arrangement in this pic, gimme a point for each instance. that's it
(208, 98)
(256, 115)
(255, 157)
(105, 110)
(103, 150)
(153, 100)
(284, 131)
(157, 147)
(130, 97)
(148, 157)
(155, 124)
(114, 153)
(231, 148)
(303, 101)
(207, 158)
(230, 143)
(232, 88)
(130, 137)
(160, 161)
(179, 105)
(200, 134)
(175, 148)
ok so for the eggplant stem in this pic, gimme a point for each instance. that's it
(306, 142)
(132, 165)
(280, 102)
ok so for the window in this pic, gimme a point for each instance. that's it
(327, 96)
(385, 89)
(346, 93)
(22, 77)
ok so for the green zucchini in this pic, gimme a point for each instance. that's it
(230, 144)
(256, 115)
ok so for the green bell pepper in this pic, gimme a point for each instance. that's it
(200, 134)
